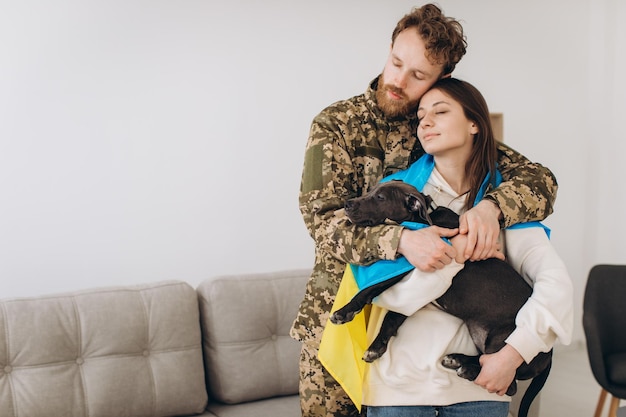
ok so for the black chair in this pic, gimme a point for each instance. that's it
(604, 322)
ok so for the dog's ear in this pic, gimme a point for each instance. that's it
(429, 200)
(416, 204)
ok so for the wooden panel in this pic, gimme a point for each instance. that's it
(497, 126)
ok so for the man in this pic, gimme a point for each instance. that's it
(356, 142)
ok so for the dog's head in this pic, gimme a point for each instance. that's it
(393, 200)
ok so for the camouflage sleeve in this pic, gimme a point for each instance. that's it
(528, 190)
(328, 179)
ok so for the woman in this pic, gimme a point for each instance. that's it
(408, 380)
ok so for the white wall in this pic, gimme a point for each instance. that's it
(149, 140)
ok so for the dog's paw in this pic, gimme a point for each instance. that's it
(336, 318)
(341, 317)
(451, 361)
(466, 367)
(468, 372)
(376, 349)
(371, 355)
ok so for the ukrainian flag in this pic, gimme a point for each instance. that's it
(343, 345)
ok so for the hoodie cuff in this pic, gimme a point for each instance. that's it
(526, 343)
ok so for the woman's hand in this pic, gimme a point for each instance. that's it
(498, 369)
(482, 228)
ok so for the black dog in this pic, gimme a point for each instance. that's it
(485, 294)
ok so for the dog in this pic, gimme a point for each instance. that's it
(486, 294)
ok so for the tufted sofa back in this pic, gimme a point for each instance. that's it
(131, 351)
(245, 322)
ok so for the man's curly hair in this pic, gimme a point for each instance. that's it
(443, 36)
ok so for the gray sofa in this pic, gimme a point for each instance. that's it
(159, 349)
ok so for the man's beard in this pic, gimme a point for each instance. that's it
(390, 107)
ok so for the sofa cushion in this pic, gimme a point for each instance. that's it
(286, 406)
(123, 351)
(245, 328)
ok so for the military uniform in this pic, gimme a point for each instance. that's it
(351, 146)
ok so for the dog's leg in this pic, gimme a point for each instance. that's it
(361, 299)
(388, 329)
(468, 367)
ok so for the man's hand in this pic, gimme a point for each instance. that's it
(482, 228)
(424, 248)
(498, 369)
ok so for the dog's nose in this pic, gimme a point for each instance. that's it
(349, 204)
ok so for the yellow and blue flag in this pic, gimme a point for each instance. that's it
(343, 345)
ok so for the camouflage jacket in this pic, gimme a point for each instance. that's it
(351, 146)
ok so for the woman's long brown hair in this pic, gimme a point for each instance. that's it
(482, 160)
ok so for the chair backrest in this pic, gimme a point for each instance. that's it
(604, 320)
